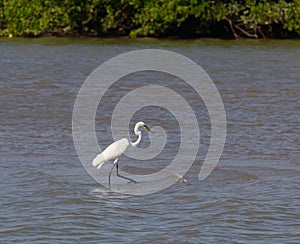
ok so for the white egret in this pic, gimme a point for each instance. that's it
(116, 149)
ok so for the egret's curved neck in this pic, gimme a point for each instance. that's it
(134, 144)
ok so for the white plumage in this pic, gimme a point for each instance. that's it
(113, 151)
(116, 149)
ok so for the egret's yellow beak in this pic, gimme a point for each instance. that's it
(147, 128)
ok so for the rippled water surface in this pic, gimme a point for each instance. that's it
(252, 196)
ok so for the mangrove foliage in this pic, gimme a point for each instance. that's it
(160, 18)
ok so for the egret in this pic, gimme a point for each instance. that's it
(116, 149)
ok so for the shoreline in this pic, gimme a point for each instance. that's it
(127, 37)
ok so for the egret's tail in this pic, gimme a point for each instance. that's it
(98, 161)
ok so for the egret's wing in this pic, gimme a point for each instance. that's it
(115, 150)
(100, 165)
(98, 161)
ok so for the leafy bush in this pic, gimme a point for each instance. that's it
(25, 17)
(187, 18)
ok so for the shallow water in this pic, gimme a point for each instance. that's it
(251, 196)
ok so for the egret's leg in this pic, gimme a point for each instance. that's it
(124, 177)
(115, 163)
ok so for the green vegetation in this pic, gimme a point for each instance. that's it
(160, 18)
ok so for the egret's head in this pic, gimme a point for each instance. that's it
(138, 125)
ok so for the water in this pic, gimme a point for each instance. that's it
(252, 195)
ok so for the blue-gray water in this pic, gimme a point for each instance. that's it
(251, 197)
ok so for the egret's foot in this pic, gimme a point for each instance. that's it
(126, 178)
